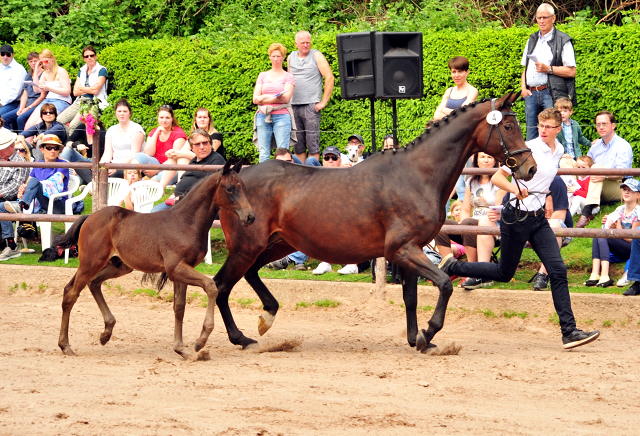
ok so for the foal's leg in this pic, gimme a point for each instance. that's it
(411, 258)
(179, 301)
(410, 297)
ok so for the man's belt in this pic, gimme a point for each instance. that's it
(537, 88)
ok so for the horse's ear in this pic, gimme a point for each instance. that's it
(238, 166)
(226, 168)
(507, 101)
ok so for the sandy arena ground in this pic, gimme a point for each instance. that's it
(352, 373)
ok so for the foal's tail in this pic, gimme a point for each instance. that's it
(71, 237)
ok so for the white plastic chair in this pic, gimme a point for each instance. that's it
(118, 190)
(46, 232)
(144, 194)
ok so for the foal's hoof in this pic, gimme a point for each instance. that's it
(421, 341)
(67, 350)
(104, 338)
(265, 321)
(429, 349)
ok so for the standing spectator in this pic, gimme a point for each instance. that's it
(570, 136)
(202, 120)
(10, 181)
(308, 67)
(29, 99)
(91, 85)
(459, 95)
(11, 80)
(124, 140)
(611, 151)
(48, 126)
(550, 68)
(161, 145)
(633, 274)
(274, 117)
(52, 80)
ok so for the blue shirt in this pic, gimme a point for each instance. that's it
(616, 154)
(568, 136)
(44, 173)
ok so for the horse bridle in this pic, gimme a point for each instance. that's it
(509, 161)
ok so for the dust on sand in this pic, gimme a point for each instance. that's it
(345, 370)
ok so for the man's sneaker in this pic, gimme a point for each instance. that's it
(8, 253)
(472, 283)
(349, 269)
(13, 207)
(300, 267)
(446, 264)
(578, 337)
(633, 290)
(324, 267)
(540, 281)
(280, 263)
(623, 281)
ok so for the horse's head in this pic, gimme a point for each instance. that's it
(500, 136)
(230, 194)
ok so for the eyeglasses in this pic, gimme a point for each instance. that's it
(166, 106)
(89, 56)
(51, 147)
(21, 150)
(6, 54)
(544, 18)
(48, 113)
(200, 144)
(602, 124)
(543, 127)
(331, 157)
(45, 61)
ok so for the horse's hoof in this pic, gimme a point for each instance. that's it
(265, 321)
(198, 347)
(200, 356)
(183, 353)
(67, 351)
(104, 338)
(251, 345)
(430, 348)
(421, 341)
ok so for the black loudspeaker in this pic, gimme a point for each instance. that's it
(398, 65)
(355, 60)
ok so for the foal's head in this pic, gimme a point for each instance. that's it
(230, 194)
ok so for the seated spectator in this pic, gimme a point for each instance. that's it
(273, 120)
(90, 86)
(387, 142)
(10, 181)
(355, 148)
(576, 186)
(202, 120)
(12, 76)
(479, 195)
(202, 147)
(131, 176)
(633, 274)
(124, 140)
(53, 81)
(624, 217)
(611, 151)
(29, 99)
(43, 182)
(164, 145)
(79, 148)
(455, 210)
(570, 136)
(48, 126)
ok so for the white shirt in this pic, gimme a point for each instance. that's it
(11, 80)
(482, 196)
(547, 164)
(121, 141)
(616, 154)
(542, 52)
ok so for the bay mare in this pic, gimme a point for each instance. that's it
(114, 241)
(389, 205)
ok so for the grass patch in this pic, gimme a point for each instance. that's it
(150, 292)
(13, 288)
(245, 302)
(488, 313)
(302, 304)
(554, 318)
(511, 313)
(326, 303)
(607, 323)
(426, 308)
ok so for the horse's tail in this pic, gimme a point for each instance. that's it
(158, 280)
(71, 237)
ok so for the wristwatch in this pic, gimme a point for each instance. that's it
(551, 70)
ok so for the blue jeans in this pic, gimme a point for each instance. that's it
(533, 105)
(7, 226)
(634, 261)
(72, 155)
(34, 190)
(144, 158)
(312, 162)
(536, 230)
(59, 104)
(280, 127)
(8, 112)
(22, 119)
(159, 207)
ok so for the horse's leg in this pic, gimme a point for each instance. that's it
(179, 301)
(412, 259)
(115, 268)
(410, 297)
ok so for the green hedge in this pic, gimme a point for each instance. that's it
(190, 73)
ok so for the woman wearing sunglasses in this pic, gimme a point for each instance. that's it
(49, 125)
(91, 85)
(53, 81)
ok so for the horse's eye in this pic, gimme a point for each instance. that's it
(508, 127)
(229, 189)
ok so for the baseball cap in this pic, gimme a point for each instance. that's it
(356, 136)
(6, 48)
(331, 150)
(633, 184)
(51, 139)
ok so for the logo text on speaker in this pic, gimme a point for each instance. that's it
(401, 90)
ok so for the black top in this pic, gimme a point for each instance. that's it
(221, 151)
(190, 178)
(79, 136)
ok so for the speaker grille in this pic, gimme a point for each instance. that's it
(401, 76)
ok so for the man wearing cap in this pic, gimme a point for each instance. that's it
(308, 67)
(10, 181)
(11, 79)
(358, 140)
(610, 151)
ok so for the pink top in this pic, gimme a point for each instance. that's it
(163, 147)
(269, 87)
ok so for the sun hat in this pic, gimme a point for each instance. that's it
(51, 139)
(7, 137)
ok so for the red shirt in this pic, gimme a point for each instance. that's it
(163, 146)
(584, 187)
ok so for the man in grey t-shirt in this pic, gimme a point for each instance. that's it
(308, 67)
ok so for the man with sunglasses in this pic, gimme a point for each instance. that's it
(550, 68)
(11, 79)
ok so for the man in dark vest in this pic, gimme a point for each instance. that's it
(550, 68)
(308, 67)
